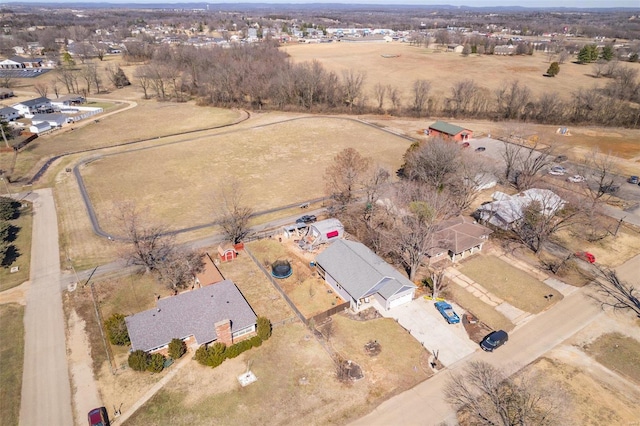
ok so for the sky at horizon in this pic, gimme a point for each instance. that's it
(481, 3)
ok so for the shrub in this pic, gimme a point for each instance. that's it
(201, 355)
(139, 360)
(256, 341)
(116, 329)
(177, 348)
(264, 328)
(156, 363)
(216, 354)
(233, 351)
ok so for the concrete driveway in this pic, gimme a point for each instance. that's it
(425, 323)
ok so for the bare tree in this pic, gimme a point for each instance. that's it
(531, 162)
(180, 268)
(352, 86)
(484, 396)
(6, 81)
(614, 293)
(511, 100)
(394, 97)
(232, 214)
(421, 90)
(143, 78)
(149, 244)
(543, 217)
(346, 175)
(41, 88)
(380, 92)
(433, 162)
(511, 156)
(414, 228)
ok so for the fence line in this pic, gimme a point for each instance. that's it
(277, 287)
(329, 313)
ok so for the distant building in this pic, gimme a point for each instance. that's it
(449, 131)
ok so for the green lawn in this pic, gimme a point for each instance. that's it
(11, 359)
(22, 246)
(509, 283)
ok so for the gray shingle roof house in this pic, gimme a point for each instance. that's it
(32, 106)
(456, 238)
(507, 210)
(357, 273)
(193, 314)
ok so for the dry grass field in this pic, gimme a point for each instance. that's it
(277, 165)
(509, 283)
(443, 69)
(11, 359)
(590, 399)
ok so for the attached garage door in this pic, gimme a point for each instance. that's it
(406, 298)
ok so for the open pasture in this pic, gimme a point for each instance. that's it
(442, 68)
(277, 165)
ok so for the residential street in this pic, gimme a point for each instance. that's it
(46, 393)
(425, 405)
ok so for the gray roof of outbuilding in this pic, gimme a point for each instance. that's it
(447, 128)
(360, 271)
(34, 102)
(191, 313)
(8, 110)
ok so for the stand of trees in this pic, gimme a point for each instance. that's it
(260, 76)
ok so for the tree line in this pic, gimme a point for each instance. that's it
(260, 76)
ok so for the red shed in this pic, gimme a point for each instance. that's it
(226, 251)
(450, 131)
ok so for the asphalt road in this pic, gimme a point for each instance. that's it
(425, 405)
(46, 392)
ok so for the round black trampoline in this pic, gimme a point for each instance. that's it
(281, 269)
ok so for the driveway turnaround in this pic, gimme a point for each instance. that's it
(424, 322)
(46, 393)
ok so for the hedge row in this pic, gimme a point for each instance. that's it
(214, 355)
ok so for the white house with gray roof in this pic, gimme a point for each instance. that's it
(507, 210)
(198, 316)
(39, 105)
(356, 273)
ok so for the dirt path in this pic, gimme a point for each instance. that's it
(84, 390)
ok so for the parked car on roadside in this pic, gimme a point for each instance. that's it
(634, 180)
(609, 189)
(576, 178)
(586, 256)
(99, 417)
(494, 340)
(560, 158)
(557, 170)
(480, 148)
(307, 218)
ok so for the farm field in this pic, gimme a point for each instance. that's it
(443, 69)
(177, 183)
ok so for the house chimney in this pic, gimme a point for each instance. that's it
(223, 331)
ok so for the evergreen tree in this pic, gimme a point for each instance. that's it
(554, 69)
(607, 53)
